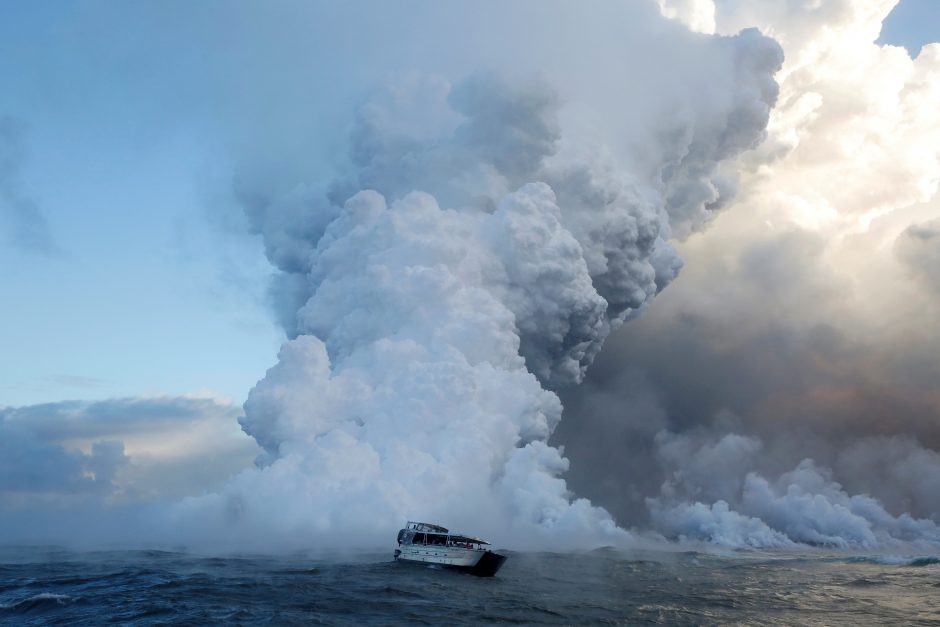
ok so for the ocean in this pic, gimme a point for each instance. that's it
(50, 586)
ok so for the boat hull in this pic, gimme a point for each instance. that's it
(488, 565)
(479, 563)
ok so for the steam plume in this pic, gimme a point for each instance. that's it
(461, 268)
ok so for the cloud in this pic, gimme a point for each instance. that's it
(31, 465)
(28, 228)
(131, 448)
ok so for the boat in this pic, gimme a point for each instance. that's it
(424, 543)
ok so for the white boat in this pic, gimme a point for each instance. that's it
(424, 543)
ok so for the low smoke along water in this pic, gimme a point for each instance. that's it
(53, 586)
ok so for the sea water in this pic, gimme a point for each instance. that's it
(49, 586)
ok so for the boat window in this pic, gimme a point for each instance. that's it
(418, 539)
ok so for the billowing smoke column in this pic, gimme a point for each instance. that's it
(461, 269)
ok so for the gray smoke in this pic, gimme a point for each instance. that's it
(715, 420)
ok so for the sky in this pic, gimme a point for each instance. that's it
(167, 171)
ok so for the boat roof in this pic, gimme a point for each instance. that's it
(420, 526)
(432, 528)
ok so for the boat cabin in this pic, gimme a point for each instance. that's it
(426, 534)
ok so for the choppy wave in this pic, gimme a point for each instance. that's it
(40, 601)
(611, 586)
(897, 560)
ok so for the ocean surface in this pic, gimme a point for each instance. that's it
(48, 586)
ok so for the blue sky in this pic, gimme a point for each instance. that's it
(912, 24)
(133, 119)
(142, 294)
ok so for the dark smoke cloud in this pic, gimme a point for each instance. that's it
(764, 350)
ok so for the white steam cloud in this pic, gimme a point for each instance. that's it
(465, 265)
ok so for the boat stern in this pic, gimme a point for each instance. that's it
(488, 565)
